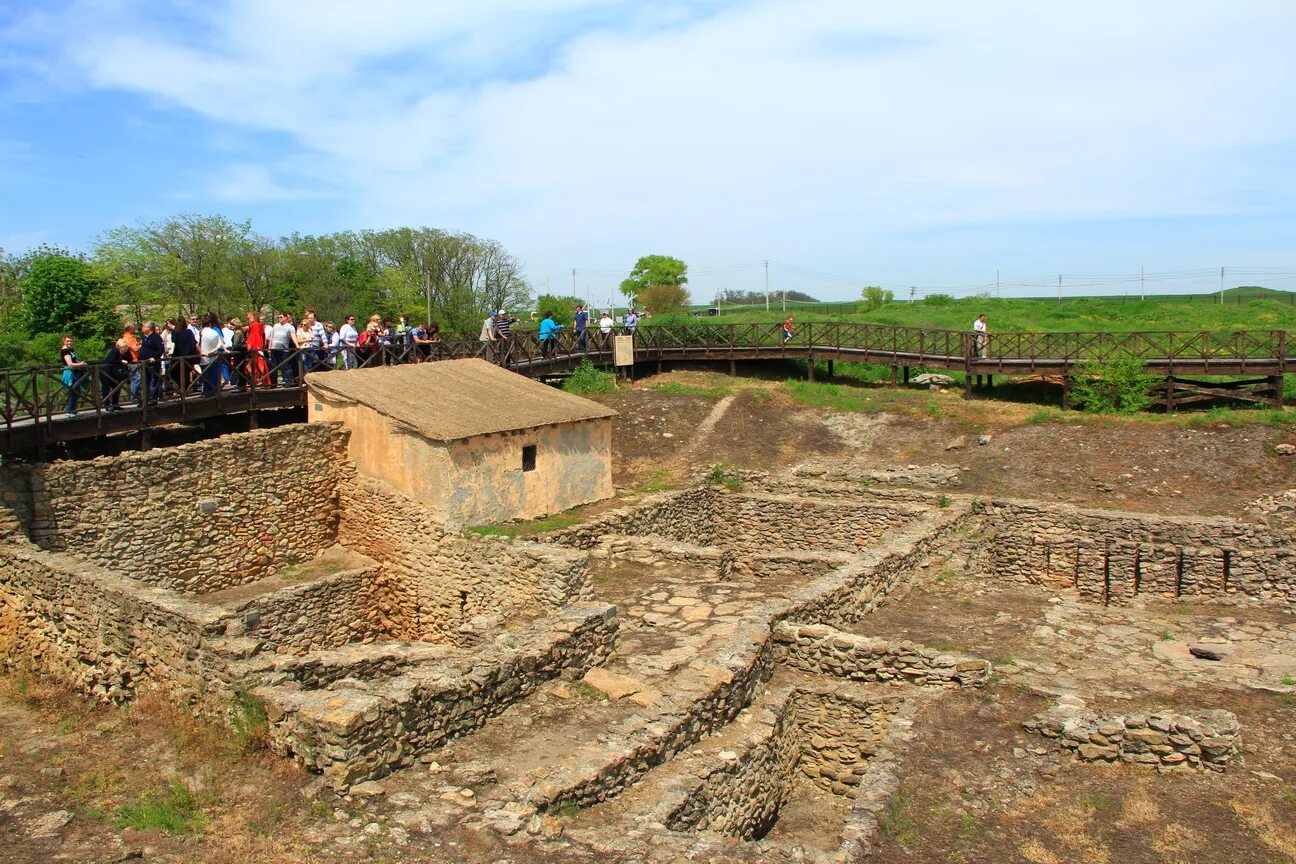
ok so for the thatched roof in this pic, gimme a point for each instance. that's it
(449, 400)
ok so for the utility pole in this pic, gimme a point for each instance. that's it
(1059, 287)
(573, 281)
(766, 284)
(1142, 283)
(912, 290)
(1221, 286)
(996, 283)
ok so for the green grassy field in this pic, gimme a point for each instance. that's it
(1244, 309)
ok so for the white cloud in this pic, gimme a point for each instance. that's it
(590, 131)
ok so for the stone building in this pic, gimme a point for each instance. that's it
(472, 441)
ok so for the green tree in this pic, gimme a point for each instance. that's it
(654, 270)
(875, 297)
(1115, 386)
(664, 298)
(563, 308)
(59, 293)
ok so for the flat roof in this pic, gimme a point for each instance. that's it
(449, 400)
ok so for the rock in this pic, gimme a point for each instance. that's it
(613, 684)
(928, 378)
(983, 440)
(1285, 449)
(1210, 651)
(368, 789)
(50, 824)
(956, 444)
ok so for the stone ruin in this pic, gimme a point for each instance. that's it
(689, 673)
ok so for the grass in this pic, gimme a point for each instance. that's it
(896, 821)
(249, 721)
(836, 397)
(1289, 681)
(172, 810)
(527, 528)
(567, 810)
(585, 691)
(721, 476)
(717, 389)
(944, 501)
(1004, 660)
(1166, 635)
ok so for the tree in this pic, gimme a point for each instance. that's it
(654, 270)
(59, 294)
(664, 298)
(875, 297)
(563, 308)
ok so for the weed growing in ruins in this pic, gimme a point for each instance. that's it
(1097, 802)
(1289, 681)
(1003, 660)
(249, 720)
(1166, 635)
(174, 810)
(567, 810)
(587, 380)
(944, 501)
(585, 691)
(895, 820)
(933, 409)
(1286, 699)
(720, 476)
(968, 826)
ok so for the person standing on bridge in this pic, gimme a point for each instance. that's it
(151, 354)
(980, 335)
(74, 374)
(631, 322)
(258, 370)
(548, 334)
(581, 325)
(787, 330)
(503, 337)
(605, 329)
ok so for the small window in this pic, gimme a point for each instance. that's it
(528, 457)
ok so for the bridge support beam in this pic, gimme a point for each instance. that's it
(831, 372)
(1276, 384)
(810, 363)
(733, 367)
(990, 381)
(895, 375)
(906, 374)
(1066, 392)
(253, 422)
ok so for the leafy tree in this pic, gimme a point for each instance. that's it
(664, 298)
(654, 270)
(59, 293)
(752, 298)
(1116, 386)
(563, 308)
(875, 297)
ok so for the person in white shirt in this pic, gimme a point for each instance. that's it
(211, 346)
(980, 335)
(283, 350)
(605, 324)
(487, 339)
(227, 334)
(348, 337)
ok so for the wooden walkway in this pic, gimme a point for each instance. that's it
(32, 412)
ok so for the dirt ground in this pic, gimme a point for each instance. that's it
(977, 787)
(1186, 465)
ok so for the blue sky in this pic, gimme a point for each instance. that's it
(928, 144)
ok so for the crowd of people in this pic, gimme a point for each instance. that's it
(206, 354)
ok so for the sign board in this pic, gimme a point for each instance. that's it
(623, 350)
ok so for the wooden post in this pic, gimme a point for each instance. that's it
(906, 374)
(733, 367)
(1276, 382)
(831, 371)
(990, 381)
(146, 440)
(1170, 394)
(253, 422)
(895, 375)
(1066, 392)
(810, 369)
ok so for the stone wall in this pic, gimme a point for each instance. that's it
(103, 634)
(821, 650)
(197, 517)
(439, 582)
(1161, 739)
(746, 523)
(838, 736)
(1110, 556)
(325, 613)
(359, 733)
(786, 565)
(655, 552)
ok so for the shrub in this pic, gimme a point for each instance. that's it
(1117, 386)
(587, 379)
(174, 810)
(875, 297)
(938, 300)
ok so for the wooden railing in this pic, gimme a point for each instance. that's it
(39, 396)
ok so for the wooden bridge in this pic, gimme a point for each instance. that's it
(33, 410)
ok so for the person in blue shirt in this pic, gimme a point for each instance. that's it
(548, 334)
(631, 322)
(581, 325)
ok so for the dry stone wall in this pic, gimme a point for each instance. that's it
(196, 518)
(354, 733)
(325, 613)
(821, 650)
(1110, 556)
(1161, 739)
(104, 634)
(439, 583)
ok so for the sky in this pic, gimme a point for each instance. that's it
(945, 145)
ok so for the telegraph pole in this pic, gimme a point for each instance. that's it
(1142, 283)
(1059, 287)
(766, 284)
(573, 281)
(996, 283)
(912, 290)
(1221, 286)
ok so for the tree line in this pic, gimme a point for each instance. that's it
(194, 263)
